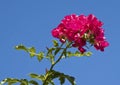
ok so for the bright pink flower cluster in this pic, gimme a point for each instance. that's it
(80, 30)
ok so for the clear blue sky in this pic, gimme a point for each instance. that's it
(30, 22)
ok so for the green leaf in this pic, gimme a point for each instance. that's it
(36, 76)
(55, 43)
(21, 47)
(70, 79)
(40, 56)
(32, 51)
(49, 82)
(50, 54)
(24, 82)
(55, 74)
(62, 80)
(56, 50)
(88, 54)
(78, 54)
(10, 81)
(48, 79)
(65, 53)
(32, 75)
(50, 50)
(51, 58)
(3, 81)
(33, 82)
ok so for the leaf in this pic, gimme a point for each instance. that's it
(65, 53)
(10, 81)
(56, 50)
(55, 43)
(51, 58)
(50, 50)
(32, 51)
(32, 75)
(33, 82)
(50, 82)
(21, 47)
(3, 81)
(40, 56)
(36, 76)
(50, 54)
(70, 79)
(78, 54)
(55, 74)
(62, 80)
(24, 82)
(88, 53)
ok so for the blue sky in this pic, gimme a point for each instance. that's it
(30, 22)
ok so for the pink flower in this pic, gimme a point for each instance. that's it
(55, 33)
(101, 45)
(82, 50)
(80, 30)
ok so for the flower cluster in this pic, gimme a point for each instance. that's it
(81, 30)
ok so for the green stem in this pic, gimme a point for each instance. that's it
(52, 66)
(60, 56)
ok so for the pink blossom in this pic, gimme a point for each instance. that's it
(81, 29)
(101, 45)
(82, 50)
